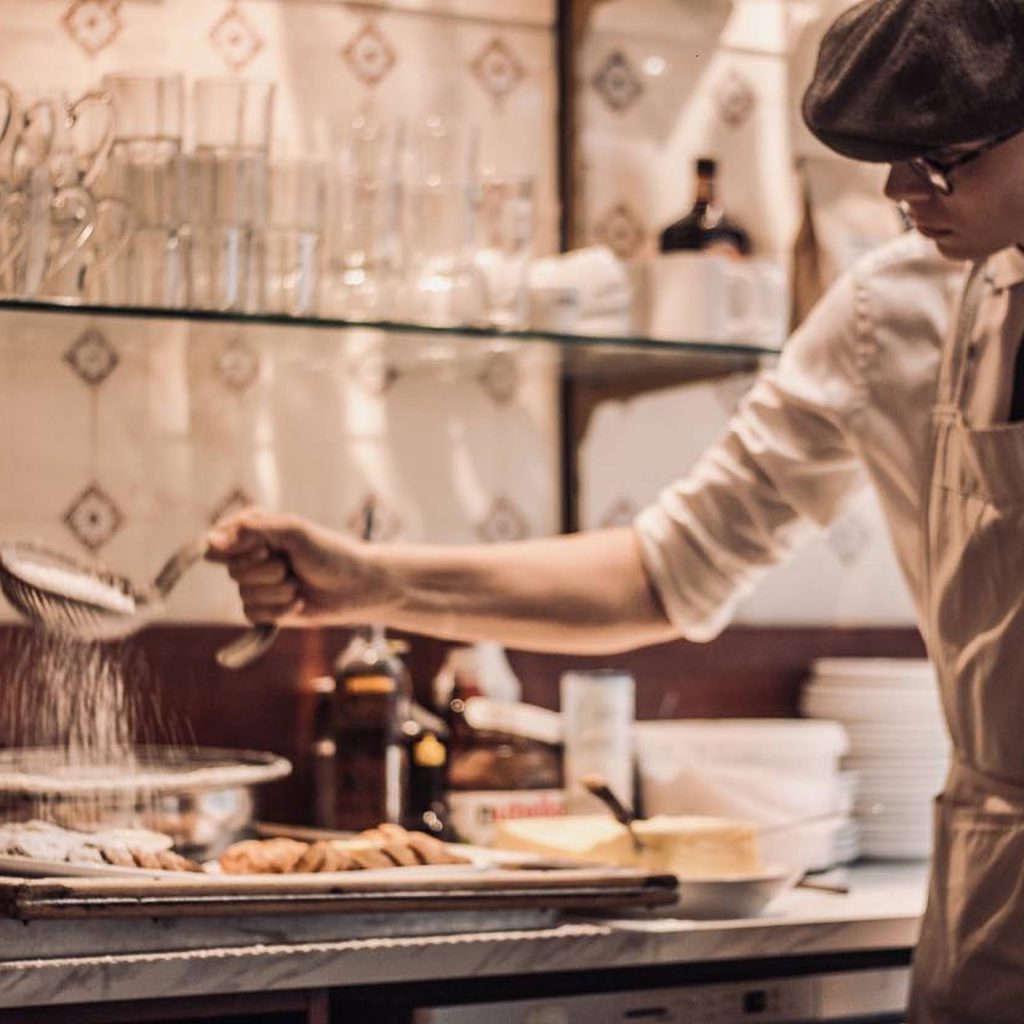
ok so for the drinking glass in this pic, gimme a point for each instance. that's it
(47, 227)
(504, 245)
(226, 204)
(149, 106)
(443, 285)
(286, 252)
(228, 192)
(233, 114)
(72, 138)
(364, 254)
(146, 169)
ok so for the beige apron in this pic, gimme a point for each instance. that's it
(969, 964)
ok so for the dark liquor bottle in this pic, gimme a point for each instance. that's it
(706, 227)
(427, 805)
(324, 752)
(373, 697)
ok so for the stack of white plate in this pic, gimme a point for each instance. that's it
(899, 748)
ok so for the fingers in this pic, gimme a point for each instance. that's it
(233, 539)
(266, 585)
(276, 613)
(243, 544)
(247, 531)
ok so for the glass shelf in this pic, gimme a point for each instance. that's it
(645, 362)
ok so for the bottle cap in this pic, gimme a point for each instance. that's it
(429, 752)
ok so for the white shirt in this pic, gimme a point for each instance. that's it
(850, 401)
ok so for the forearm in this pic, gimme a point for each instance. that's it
(586, 593)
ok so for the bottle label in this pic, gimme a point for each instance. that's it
(476, 812)
(357, 686)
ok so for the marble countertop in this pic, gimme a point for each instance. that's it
(48, 962)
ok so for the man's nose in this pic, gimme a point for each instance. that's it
(904, 184)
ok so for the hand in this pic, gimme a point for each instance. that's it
(290, 570)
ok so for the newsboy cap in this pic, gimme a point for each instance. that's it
(898, 78)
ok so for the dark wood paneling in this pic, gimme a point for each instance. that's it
(746, 672)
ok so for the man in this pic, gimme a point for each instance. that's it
(871, 384)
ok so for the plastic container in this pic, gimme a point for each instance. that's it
(767, 771)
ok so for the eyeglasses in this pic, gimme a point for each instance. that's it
(939, 173)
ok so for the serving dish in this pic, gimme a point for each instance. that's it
(201, 797)
(721, 899)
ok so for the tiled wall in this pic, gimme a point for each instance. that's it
(660, 83)
(123, 438)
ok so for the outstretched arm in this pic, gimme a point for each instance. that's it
(585, 593)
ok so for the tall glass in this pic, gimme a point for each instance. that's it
(233, 122)
(287, 251)
(233, 114)
(503, 247)
(146, 170)
(364, 242)
(227, 205)
(443, 286)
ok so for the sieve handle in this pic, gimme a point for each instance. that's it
(245, 649)
(175, 567)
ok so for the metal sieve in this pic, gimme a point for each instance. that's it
(90, 602)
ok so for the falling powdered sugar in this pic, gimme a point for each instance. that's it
(75, 712)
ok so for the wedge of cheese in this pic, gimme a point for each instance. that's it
(594, 838)
(690, 847)
(699, 847)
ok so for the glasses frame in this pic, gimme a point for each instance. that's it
(939, 173)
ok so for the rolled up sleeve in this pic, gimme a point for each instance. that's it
(784, 468)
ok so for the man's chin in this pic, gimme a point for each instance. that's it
(953, 247)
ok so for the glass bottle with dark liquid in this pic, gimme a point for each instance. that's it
(706, 227)
(373, 694)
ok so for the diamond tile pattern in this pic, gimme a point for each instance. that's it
(622, 230)
(735, 98)
(238, 365)
(500, 377)
(369, 55)
(504, 522)
(92, 24)
(372, 373)
(174, 424)
(92, 357)
(617, 83)
(498, 69)
(94, 517)
(235, 39)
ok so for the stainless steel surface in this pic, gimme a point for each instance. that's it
(201, 798)
(875, 996)
(92, 603)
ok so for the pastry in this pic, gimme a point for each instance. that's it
(385, 846)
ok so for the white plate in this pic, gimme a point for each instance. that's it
(716, 899)
(873, 668)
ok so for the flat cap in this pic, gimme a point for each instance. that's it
(898, 78)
